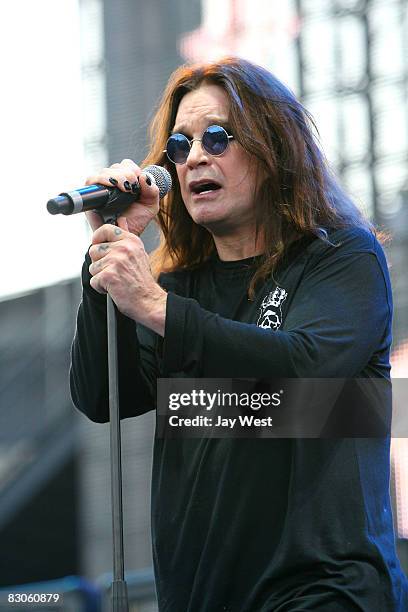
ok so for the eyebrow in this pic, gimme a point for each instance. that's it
(212, 120)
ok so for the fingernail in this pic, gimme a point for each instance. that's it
(148, 180)
(135, 187)
(113, 181)
(126, 185)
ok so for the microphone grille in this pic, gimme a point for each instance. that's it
(162, 178)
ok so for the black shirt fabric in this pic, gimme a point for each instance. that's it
(260, 525)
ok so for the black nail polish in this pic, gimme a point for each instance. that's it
(148, 180)
(127, 186)
(135, 187)
(113, 181)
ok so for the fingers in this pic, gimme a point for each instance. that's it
(149, 189)
(107, 233)
(105, 237)
(127, 176)
(98, 251)
(121, 175)
(114, 258)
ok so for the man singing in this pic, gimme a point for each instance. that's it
(265, 269)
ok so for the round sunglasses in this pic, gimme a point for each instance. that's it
(215, 141)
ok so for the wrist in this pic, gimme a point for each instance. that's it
(155, 312)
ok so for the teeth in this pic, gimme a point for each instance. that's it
(205, 188)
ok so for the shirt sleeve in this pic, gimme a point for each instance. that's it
(339, 317)
(137, 363)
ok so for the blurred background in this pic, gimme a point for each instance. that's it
(81, 80)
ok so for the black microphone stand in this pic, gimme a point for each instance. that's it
(119, 588)
(119, 594)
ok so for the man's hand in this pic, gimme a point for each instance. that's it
(120, 266)
(123, 176)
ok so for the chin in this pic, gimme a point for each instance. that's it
(202, 217)
(215, 225)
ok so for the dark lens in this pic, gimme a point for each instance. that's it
(215, 140)
(178, 148)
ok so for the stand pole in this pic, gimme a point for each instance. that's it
(119, 589)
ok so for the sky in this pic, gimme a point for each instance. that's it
(42, 144)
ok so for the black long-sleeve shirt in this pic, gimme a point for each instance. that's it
(254, 525)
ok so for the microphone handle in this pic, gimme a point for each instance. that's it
(107, 201)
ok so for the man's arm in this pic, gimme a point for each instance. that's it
(339, 317)
(89, 368)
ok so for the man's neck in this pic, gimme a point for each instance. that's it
(233, 248)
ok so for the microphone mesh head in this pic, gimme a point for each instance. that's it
(161, 177)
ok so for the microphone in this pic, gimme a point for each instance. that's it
(104, 199)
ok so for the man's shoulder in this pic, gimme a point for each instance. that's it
(345, 241)
(354, 250)
(327, 249)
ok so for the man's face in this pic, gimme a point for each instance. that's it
(230, 208)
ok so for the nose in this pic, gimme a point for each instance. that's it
(197, 154)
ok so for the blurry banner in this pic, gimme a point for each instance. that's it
(400, 485)
(399, 360)
(400, 406)
(281, 408)
(399, 445)
(259, 30)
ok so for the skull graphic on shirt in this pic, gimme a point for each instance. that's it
(270, 312)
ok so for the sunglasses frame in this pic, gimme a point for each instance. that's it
(190, 143)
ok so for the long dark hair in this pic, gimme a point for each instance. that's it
(300, 196)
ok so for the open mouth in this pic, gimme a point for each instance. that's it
(201, 188)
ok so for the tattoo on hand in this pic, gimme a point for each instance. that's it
(118, 231)
(103, 247)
